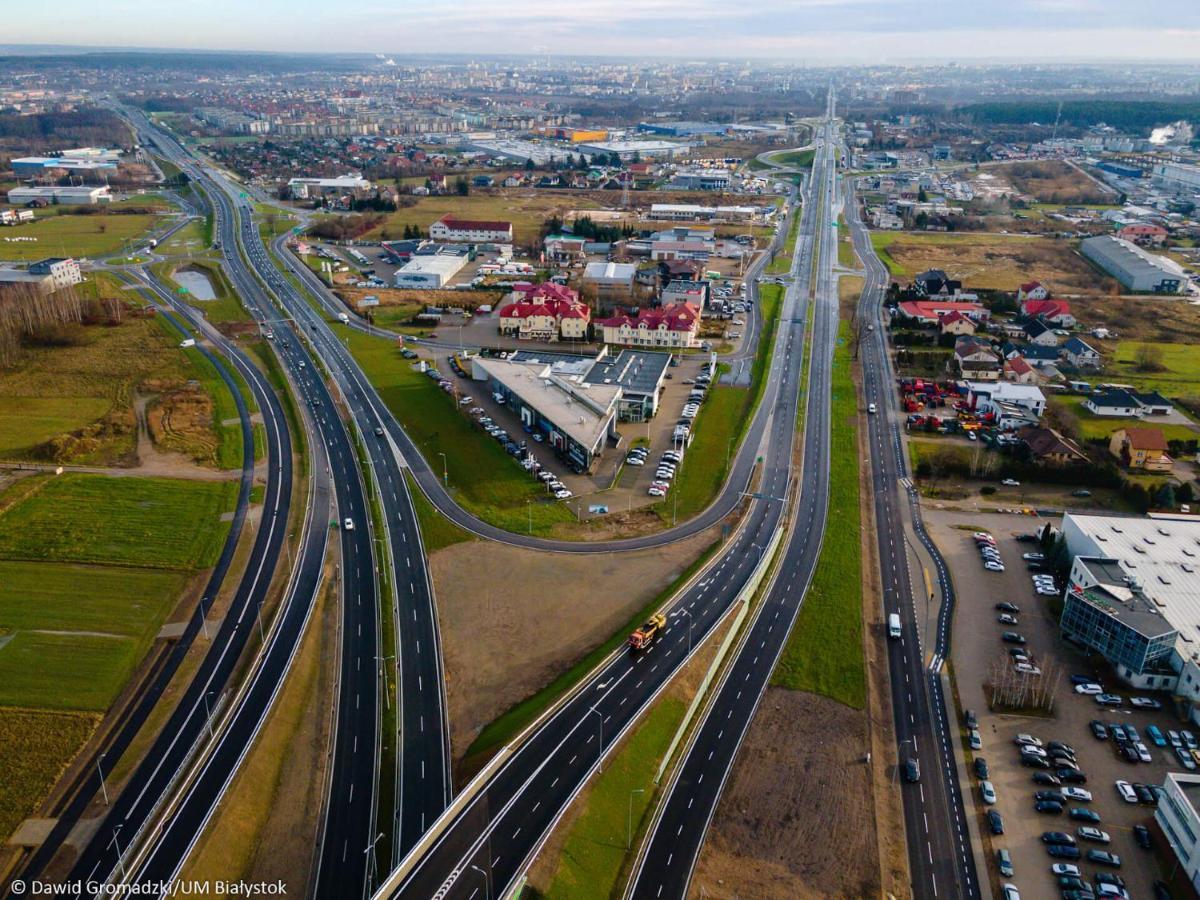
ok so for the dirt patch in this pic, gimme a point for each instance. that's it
(1055, 181)
(489, 611)
(817, 840)
(1157, 319)
(180, 419)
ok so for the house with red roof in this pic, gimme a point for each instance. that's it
(1018, 371)
(955, 322)
(451, 228)
(929, 312)
(674, 325)
(1053, 312)
(545, 312)
(1144, 234)
(1032, 290)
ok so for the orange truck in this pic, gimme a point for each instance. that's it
(649, 632)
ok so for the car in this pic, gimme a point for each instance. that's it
(1012, 637)
(348, 524)
(1065, 870)
(1141, 835)
(1091, 833)
(656, 492)
(1063, 851)
(982, 536)
(981, 767)
(1026, 740)
(988, 792)
(1010, 891)
(1018, 653)
(1026, 669)
(1078, 794)
(1059, 745)
(989, 553)
(1110, 878)
(1004, 863)
(994, 566)
(871, 408)
(1070, 776)
(635, 461)
(1046, 778)
(1005, 606)
(1047, 592)
(1006, 619)
(1042, 580)
(1071, 885)
(378, 432)
(1125, 789)
(1104, 858)
(1185, 758)
(1063, 764)
(912, 770)
(1057, 837)
(1035, 762)
(1129, 752)
(1174, 738)
(1142, 752)
(1161, 891)
(564, 494)
(1145, 703)
(1156, 736)
(1050, 796)
(1144, 794)
(1189, 739)
(1111, 890)
(995, 822)
(1083, 814)
(976, 742)
(1118, 731)
(1010, 482)
(1109, 699)
(1033, 557)
(1099, 732)
(970, 719)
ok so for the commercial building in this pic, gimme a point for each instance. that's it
(640, 377)
(695, 212)
(47, 275)
(1177, 175)
(39, 165)
(702, 179)
(612, 281)
(15, 216)
(555, 399)
(1136, 269)
(1010, 405)
(72, 195)
(308, 188)
(430, 271)
(674, 326)
(451, 228)
(521, 151)
(682, 129)
(545, 312)
(1179, 820)
(630, 149)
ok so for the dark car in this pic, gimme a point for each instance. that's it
(1084, 679)
(1083, 814)
(1110, 878)
(1064, 762)
(1103, 857)
(981, 767)
(1085, 894)
(1054, 796)
(1071, 776)
(969, 718)
(1034, 762)
(1145, 795)
(378, 432)
(1130, 753)
(1072, 883)
(1008, 607)
(1048, 806)
(1012, 637)
(995, 822)
(1141, 834)
(1098, 730)
(1057, 837)
(1045, 778)
(1161, 891)
(1063, 851)
(1059, 745)
(912, 771)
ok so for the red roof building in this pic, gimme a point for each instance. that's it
(928, 312)
(1055, 312)
(672, 326)
(545, 312)
(450, 228)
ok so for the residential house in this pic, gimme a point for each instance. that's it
(936, 283)
(975, 359)
(1143, 234)
(1048, 447)
(956, 323)
(1080, 354)
(564, 248)
(1018, 371)
(452, 228)
(1041, 334)
(673, 326)
(929, 312)
(1052, 312)
(1032, 290)
(1119, 402)
(1141, 448)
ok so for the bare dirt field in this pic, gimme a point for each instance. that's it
(1055, 181)
(1159, 319)
(817, 841)
(513, 619)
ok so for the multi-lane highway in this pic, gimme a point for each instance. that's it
(678, 830)
(487, 843)
(940, 859)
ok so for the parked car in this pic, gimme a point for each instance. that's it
(1141, 835)
(1104, 858)
(1125, 789)
(976, 742)
(1065, 870)
(1109, 699)
(1006, 619)
(1046, 778)
(1083, 814)
(1091, 833)
(1012, 637)
(1005, 606)
(1071, 776)
(988, 792)
(1091, 689)
(1008, 889)
(981, 767)
(1098, 730)
(1185, 758)
(995, 822)
(1145, 703)
(1156, 736)
(1004, 863)
(1063, 851)
(1057, 837)
(1078, 794)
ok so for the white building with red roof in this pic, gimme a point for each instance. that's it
(929, 312)
(545, 312)
(451, 228)
(1054, 312)
(673, 326)
(1032, 290)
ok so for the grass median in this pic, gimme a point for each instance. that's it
(782, 263)
(824, 654)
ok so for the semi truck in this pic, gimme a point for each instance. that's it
(648, 633)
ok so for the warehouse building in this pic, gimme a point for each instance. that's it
(627, 150)
(695, 212)
(1177, 816)
(1135, 268)
(639, 374)
(433, 271)
(682, 129)
(308, 188)
(702, 179)
(556, 400)
(1177, 175)
(39, 165)
(73, 195)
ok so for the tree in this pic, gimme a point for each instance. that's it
(462, 187)
(1164, 497)
(529, 167)
(922, 197)
(1149, 358)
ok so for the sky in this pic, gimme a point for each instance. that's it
(793, 30)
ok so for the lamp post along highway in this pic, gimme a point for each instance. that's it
(629, 820)
(100, 770)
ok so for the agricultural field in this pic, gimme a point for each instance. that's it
(1158, 319)
(78, 236)
(991, 261)
(72, 400)
(38, 746)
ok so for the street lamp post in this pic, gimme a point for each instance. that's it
(600, 716)
(487, 882)
(445, 470)
(208, 714)
(386, 694)
(370, 852)
(629, 821)
(103, 789)
(113, 843)
(688, 613)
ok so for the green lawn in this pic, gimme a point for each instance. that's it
(1092, 427)
(594, 852)
(1181, 368)
(782, 263)
(227, 307)
(37, 748)
(436, 530)
(800, 159)
(80, 236)
(154, 522)
(482, 477)
(824, 650)
(846, 255)
(186, 241)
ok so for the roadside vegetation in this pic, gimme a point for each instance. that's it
(437, 532)
(782, 263)
(80, 236)
(38, 746)
(226, 305)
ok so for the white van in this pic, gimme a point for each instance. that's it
(894, 625)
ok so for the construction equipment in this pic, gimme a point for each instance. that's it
(646, 635)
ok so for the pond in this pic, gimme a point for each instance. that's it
(197, 282)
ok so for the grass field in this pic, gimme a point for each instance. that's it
(78, 236)
(483, 478)
(800, 159)
(846, 255)
(595, 849)
(990, 261)
(507, 726)
(37, 748)
(1091, 427)
(824, 653)
(153, 522)
(1181, 367)
(226, 307)
(782, 263)
(436, 530)
(186, 241)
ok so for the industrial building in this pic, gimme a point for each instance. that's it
(308, 188)
(1179, 820)
(682, 129)
(556, 400)
(695, 212)
(639, 374)
(432, 271)
(1136, 269)
(1178, 175)
(702, 179)
(627, 150)
(73, 195)
(521, 151)
(39, 165)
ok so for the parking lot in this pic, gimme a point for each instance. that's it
(980, 655)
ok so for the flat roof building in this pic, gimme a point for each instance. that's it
(640, 376)
(71, 195)
(630, 149)
(576, 416)
(1136, 269)
(36, 165)
(432, 271)
(305, 188)
(1176, 814)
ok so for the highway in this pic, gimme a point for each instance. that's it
(423, 782)
(941, 863)
(677, 832)
(488, 841)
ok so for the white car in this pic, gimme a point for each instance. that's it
(1091, 689)
(1145, 703)
(1010, 482)
(563, 494)
(1027, 740)
(993, 566)
(635, 461)
(1128, 794)
(982, 536)
(1010, 891)
(871, 408)
(656, 492)
(1026, 669)
(348, 525)
(988, 792)
(1065, 869)
(1047, 592)
(1143, 752)
(1076, 793)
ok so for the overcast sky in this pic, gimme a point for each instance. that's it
(807, 30)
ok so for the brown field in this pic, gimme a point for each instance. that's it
(1055, 181)
(1142, 318)
(990, 261)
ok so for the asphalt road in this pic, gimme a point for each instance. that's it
(488, 843)
(940, 859)
(677, 833)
